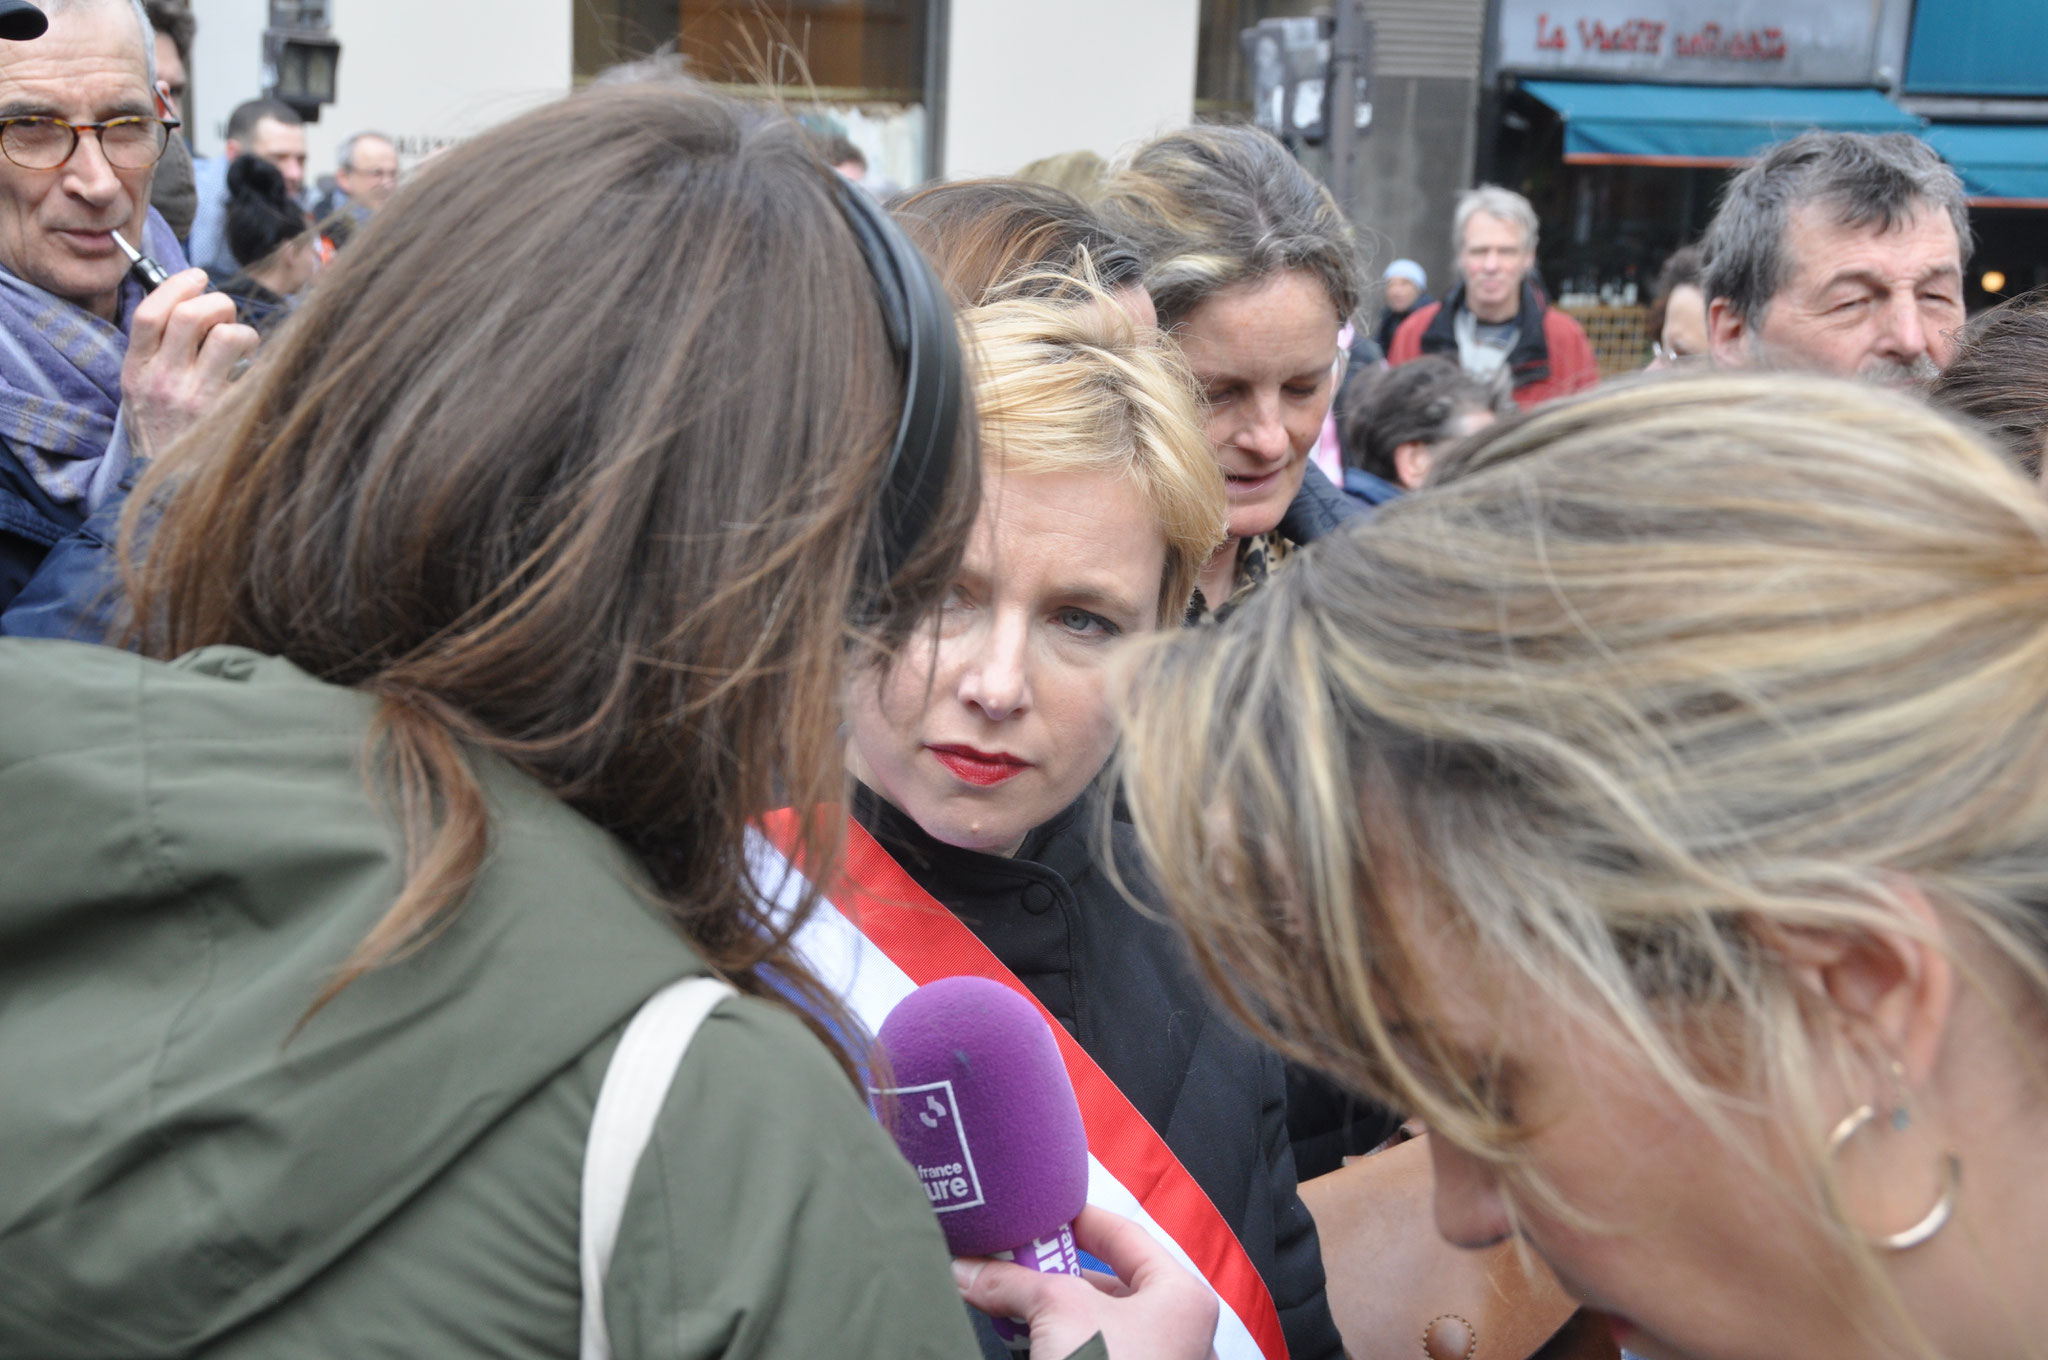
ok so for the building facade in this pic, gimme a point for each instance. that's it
(925, 88)
(1623, 119)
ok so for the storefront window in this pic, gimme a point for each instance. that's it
(870, 62)
(1223, 89)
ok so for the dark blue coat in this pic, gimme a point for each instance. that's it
(30, 525)
(72, 588)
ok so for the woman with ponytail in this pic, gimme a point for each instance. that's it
(477, 625)
(272, 240)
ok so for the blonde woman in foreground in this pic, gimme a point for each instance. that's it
(1661, 811)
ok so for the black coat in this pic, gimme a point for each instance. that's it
(1122, 986)
(1327, 1123)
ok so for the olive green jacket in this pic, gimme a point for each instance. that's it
(190, 1166)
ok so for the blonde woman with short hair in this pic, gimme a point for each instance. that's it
(1661, 811)
(976, 748)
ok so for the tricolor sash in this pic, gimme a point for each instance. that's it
(877, 936)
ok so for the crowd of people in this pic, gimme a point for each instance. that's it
(248, 216)
(1529, 862)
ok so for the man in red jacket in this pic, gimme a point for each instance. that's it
(1497, 319)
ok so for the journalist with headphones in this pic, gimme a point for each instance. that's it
(383, 974)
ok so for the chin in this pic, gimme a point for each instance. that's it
(982, 837)
(991, 825)
(1253, 525)
(1263, 515)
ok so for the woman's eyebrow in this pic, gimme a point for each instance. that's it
(1097, 597)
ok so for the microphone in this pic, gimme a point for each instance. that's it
(982, 1107)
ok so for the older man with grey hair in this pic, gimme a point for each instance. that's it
(92, 365)
(1497, 319)
(365, 178)
(1840, 253)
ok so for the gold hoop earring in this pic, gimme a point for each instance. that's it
(1944, 1208)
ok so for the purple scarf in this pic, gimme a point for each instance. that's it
(60, 379)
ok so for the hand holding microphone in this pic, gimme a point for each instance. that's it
(1150, 1310)
(980, 1103)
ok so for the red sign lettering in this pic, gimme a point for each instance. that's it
(1631, 35)
(1646, 37)
(1753, 44)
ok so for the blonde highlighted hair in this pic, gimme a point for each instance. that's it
(1213, 207)
(1672, 669)
(1074, 385)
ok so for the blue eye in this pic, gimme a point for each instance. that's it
(1085, 624)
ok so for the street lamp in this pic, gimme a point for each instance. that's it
(300, 56)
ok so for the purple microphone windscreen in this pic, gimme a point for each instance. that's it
(980, 1103)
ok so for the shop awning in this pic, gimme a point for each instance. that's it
(1702, 125)
(2003, 165)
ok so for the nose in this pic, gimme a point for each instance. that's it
(88, 175)
(1470, 1210)
(1905, 336)
(996, 678)
(1263, 434)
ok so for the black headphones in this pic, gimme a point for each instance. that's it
(919, 320)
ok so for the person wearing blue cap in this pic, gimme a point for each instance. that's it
(1404, 287)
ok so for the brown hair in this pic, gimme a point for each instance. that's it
(1999, 377)
(518, 471)
(1410, 403)
(173, 19)
(981, 234)
(1213, 207)
(1682, 268)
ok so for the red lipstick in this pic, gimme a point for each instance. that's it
(980, 768)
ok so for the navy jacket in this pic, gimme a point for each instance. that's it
(30, 525)
(1317, 509)
(1368, 489)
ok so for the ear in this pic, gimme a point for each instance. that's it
(1728, 337)
(1896, 986)
(1411, 463)
(231, 149)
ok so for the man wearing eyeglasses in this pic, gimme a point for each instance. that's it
(364, 181)
(92, 371)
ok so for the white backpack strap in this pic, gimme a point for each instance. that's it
(635, 1087)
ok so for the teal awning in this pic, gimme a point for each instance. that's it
(1978, 47)
(2002, 164)
(1703, 125)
